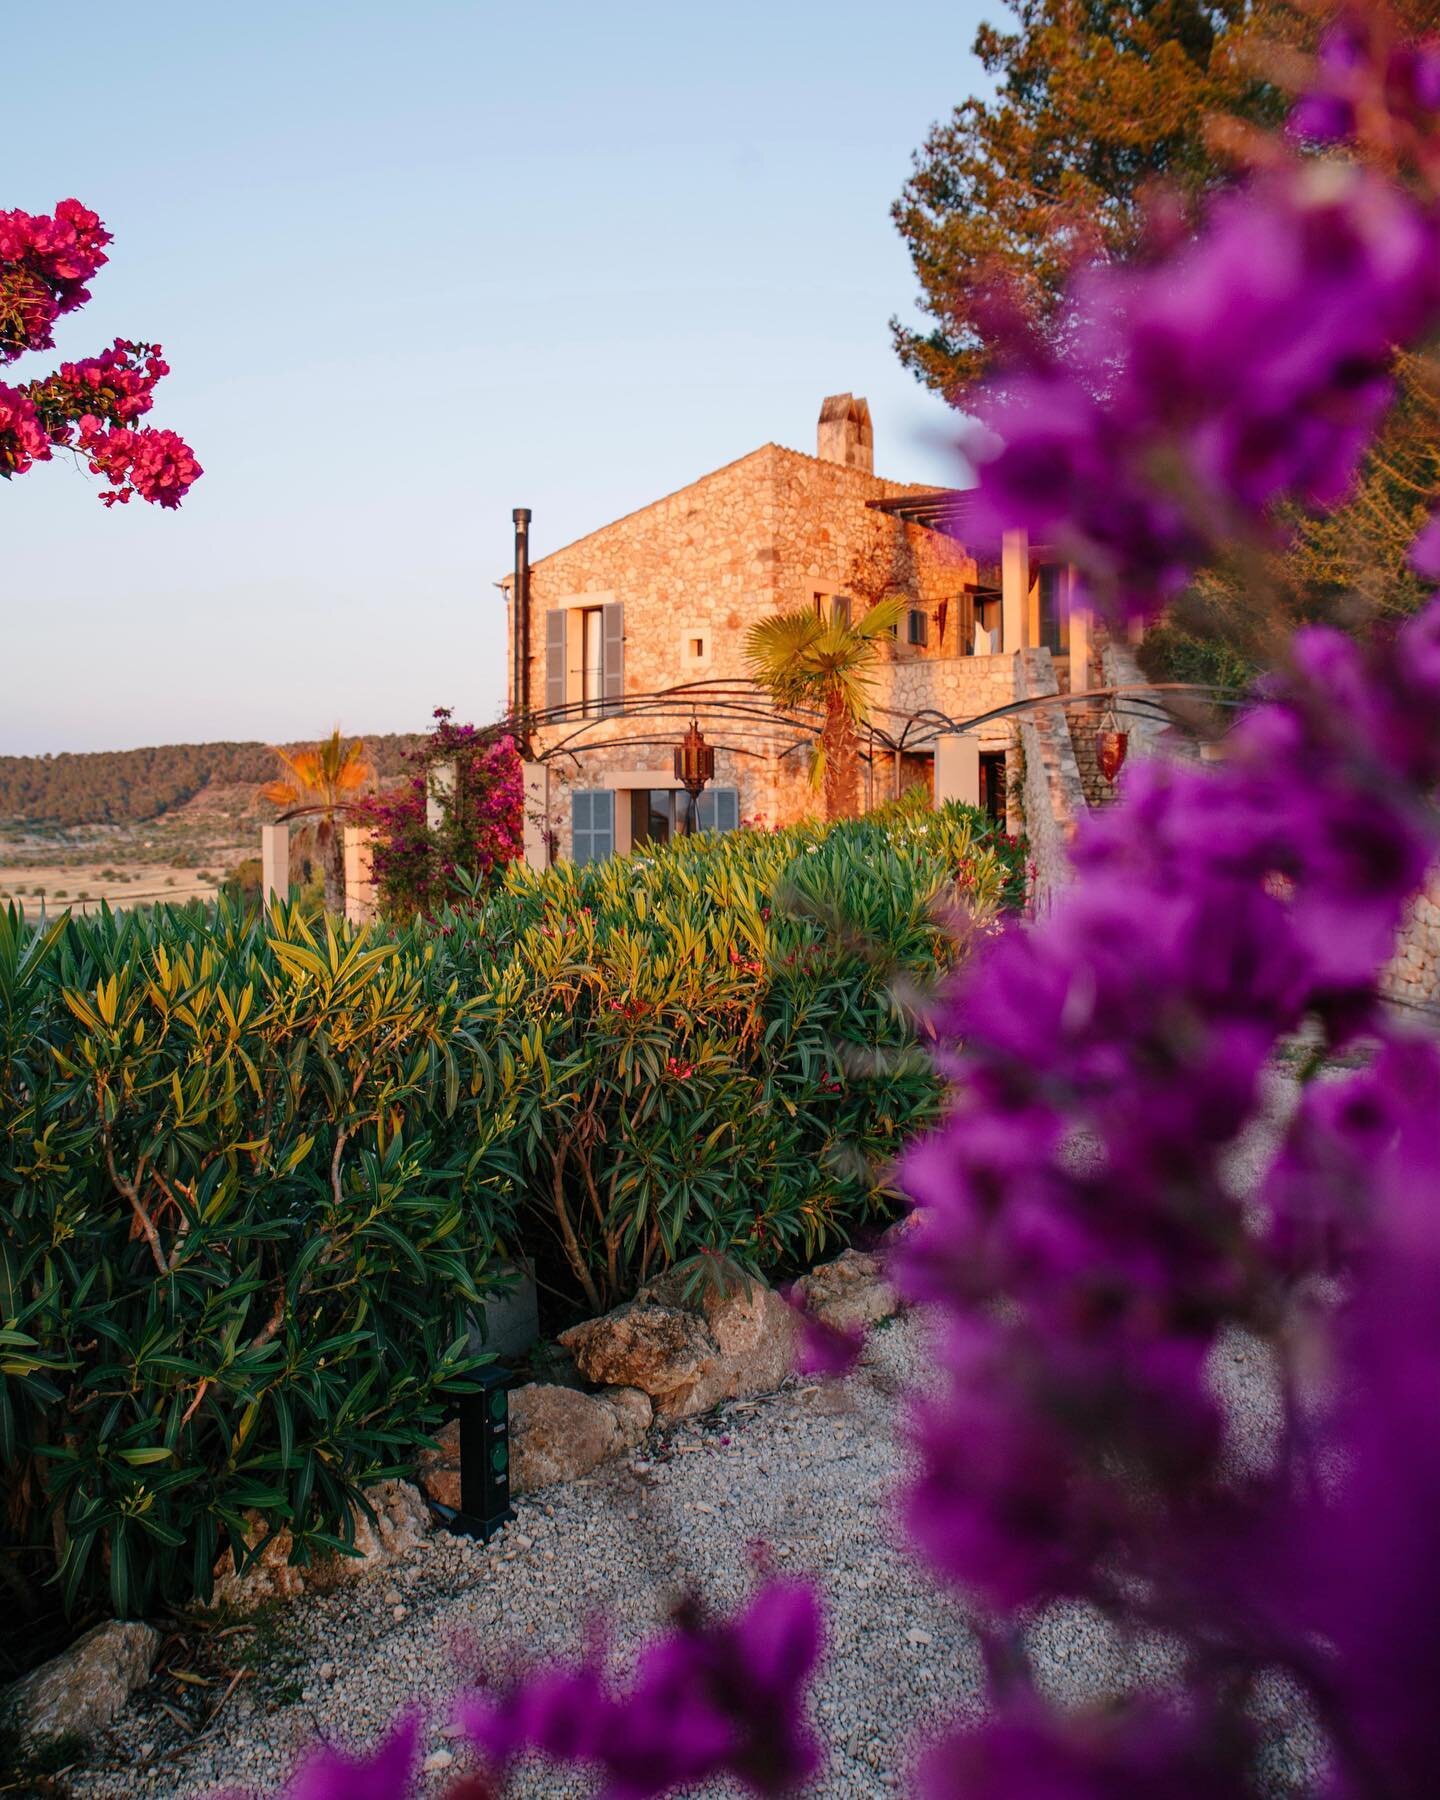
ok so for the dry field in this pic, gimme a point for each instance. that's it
(183, 855)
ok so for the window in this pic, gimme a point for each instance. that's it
(694, 648)
(652, 816)
(592, 824)
(1054, 616)
(917, 628)
(659, 814)
(592, 660)
(992, 785)
(836, 608)
(585, 659)
(989, 626)
(718, 810)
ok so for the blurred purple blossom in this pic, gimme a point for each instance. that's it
(711, 1698)
(1248, 368)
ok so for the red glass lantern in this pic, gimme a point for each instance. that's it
(1110, 748)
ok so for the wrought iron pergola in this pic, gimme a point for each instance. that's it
(890, 731)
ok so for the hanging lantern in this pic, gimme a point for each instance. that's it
(694, 766)
(1110, 746)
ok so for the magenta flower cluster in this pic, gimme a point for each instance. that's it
(89, 406)
(45, 261)
(482, 831)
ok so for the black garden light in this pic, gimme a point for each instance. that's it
(484, 1457)
(694, 766)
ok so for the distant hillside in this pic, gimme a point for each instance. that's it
(126, 787)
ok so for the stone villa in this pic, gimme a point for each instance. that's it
(642, 623)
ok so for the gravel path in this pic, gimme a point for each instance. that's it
(811, 1472)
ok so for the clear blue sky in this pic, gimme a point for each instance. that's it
(416, 264)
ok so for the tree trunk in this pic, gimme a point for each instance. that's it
(330, 842)
(842, 799)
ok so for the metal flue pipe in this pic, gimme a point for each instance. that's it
(520, 627)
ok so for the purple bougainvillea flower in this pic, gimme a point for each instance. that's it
(711, 1698)
(1189, 405)
(1425, 552)
(387, 1773)
(828, 1351)
(1146, 1753)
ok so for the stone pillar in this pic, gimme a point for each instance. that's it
(624, 839)
(957, 768)
(537, 814)
(274, 862)
(359, 875)
(1015, 592)
(439, 788)
(1079, 635)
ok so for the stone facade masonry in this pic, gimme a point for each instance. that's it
(1054, 796)
(694, 570)
(1413, 978)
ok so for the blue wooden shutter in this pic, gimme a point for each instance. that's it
(612, 684)
(555, 657)
(592, 824)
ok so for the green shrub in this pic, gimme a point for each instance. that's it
(256, 1169)
(242, 883)
(236, 1243)
(720, 1035)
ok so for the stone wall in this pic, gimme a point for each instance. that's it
(1054, 795)
(961, 687)
(1413, 978)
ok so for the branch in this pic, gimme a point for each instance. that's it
(130, 1190)
(340, 1140)
(567, 1230)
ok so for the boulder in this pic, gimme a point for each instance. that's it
(556, 1434)
(559, 1434)
(688, 1355)
(401, 1521)
(849, 1292)
(82, 1689)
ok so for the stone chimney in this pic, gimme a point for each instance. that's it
(845, 434)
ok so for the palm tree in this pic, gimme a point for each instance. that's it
(805, 660)
(325, 778)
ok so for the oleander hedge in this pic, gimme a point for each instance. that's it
(256, 1168)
